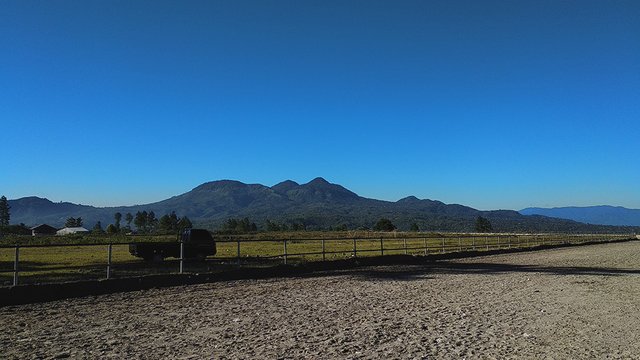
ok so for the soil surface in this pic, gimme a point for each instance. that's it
(570, 303)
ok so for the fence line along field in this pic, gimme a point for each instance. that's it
(56, 259)
(562, 303)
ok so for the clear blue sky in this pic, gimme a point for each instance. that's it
(491, 104)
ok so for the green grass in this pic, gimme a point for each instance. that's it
(73, 262)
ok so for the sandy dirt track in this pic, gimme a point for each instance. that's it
(571, 303)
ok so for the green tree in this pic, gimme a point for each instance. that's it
(168, 223)
(483, 225)
(174, 221)
(73, 222)
(5, 216)
(20, 229)
(97, 228)
(342, 227)
(111, 229)
(117, 216)
(272, 226)
(184, 223)
(164, 224)
(140, 221)
(384, 224)
(296, 226)
(415, 227)
(230, 225)
(128, 218)
(152, 222)
(239, 226)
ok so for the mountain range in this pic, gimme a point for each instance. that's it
(318, 205)
(600, 215)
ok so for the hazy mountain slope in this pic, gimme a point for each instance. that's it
(601, 215)
(317, 204)
(34, 210)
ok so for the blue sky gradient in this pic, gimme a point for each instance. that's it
(491, 104)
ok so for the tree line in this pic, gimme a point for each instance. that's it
(245, 226)
(5, 217)
(145, 222)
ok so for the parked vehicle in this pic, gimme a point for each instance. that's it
(197, 244)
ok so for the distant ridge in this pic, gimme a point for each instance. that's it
(317, 205)
(599, 215)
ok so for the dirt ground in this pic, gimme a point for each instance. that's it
(570, 303)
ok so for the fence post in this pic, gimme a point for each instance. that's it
(381, 246)
(181, 256)
(459, 244)
(443, 245)
(323, 251)
(285, 251)
(473, 243)
(109, 251)
(15, 265)
(355, 250)
(238, 252)
(486, 242)
(405, 245)
(425, 246)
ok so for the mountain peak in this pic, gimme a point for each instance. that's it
(318, 181)
(408, 199)
(285, 186)
(219, 184)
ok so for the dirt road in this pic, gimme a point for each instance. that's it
(581, 302)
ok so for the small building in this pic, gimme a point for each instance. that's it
(72, 230)
(43, 229)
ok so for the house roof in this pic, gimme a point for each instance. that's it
(71, 230)
(43, 227)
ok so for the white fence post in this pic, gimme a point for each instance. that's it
(15, 265)
(425, 246)
(355, 249)
(181, 256)
(323, 250)
(109, 251)
(238, 252)
(285, 251)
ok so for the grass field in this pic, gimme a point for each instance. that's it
(61, 259)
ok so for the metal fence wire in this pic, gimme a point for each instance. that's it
(62, 262)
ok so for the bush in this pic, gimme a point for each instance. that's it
(384, 225)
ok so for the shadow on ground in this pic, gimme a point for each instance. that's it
(393, 267)
(423, 271)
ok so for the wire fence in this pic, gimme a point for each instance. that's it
(30, 264)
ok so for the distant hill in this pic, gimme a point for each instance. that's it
(600, 215)
(318, 205)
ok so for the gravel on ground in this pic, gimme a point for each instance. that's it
(569, 303)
